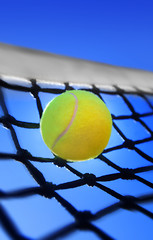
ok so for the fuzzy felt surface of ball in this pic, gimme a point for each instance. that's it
(76, 125)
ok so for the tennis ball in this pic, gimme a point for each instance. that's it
(76, 125)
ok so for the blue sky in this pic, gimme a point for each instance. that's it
(115, 32)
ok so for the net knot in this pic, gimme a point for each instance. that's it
(95, 90)
(48, 190)
(127, 173)
(89, 179)
(23, 155)
(136, 116)
(113, 116)
(120, 91)
(35, 89)
(129, 144)
(67, 86)
(83, 219)
(5, 120)
(59, 162)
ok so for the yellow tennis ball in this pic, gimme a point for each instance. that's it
(76, 125)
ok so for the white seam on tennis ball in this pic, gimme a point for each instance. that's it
(70, 123)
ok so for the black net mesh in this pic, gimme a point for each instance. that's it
(84, 219)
